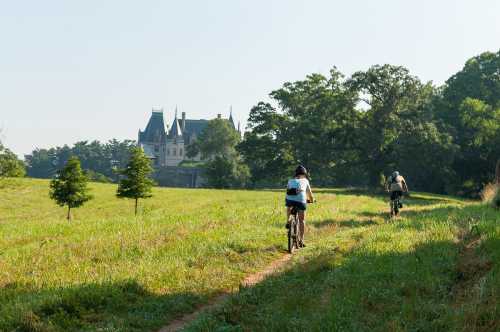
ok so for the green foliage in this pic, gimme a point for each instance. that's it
(469, 107)
(69, 187)
(218, 139)
(351, 131)
(227, 172)
(97, 177)
(313, 124)
(136, 182)
(96, 157)
(217, 144)
(10, 165)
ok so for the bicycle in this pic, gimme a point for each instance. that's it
(293, 230)
(396, 205)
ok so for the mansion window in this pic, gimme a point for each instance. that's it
(174, 152)
(157, 148)
(180, 152)
(168, 152)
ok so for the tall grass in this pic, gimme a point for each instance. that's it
(110, 271)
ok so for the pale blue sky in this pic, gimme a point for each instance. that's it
(73, 70)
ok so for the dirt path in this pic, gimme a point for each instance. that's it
(250, 280)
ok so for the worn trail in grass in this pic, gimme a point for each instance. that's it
(434, 269)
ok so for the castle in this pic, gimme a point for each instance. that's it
(167, 146)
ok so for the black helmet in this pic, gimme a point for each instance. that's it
(300, 170)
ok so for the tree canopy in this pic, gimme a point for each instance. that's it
(356, 130)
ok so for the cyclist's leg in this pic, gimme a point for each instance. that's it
(288, 213)
(302, 216)
(391, 202)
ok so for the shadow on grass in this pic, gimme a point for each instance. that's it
(365, 290)
(120, 306)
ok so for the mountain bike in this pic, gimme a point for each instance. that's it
(293, 229)
(396, 205)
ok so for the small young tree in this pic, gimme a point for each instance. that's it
(69, 187)
(136, 182)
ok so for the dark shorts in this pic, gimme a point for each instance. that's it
(299, 205)
(396, 194)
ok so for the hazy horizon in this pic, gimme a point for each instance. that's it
(93, 70)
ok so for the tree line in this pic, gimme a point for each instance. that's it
(356, 130)
(99, 160)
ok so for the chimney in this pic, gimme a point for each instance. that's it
(219, 116)
(183, 123)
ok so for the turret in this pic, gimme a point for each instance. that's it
(231, 120)
(175, 129)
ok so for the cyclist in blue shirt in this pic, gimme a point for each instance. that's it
(298, 194)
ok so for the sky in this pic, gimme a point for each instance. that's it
(94, 69)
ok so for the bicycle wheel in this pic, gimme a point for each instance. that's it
(296, 232)
(292, 234)
(396, 207)
(290, 239)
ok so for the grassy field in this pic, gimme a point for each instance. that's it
(435, 268)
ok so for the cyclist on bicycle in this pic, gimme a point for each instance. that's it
(298, 194)
(396, 185)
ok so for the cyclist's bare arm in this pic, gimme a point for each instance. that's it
(310, 195)
(405, 186)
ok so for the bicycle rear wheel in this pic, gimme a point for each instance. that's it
(292, 235)
(290, 240)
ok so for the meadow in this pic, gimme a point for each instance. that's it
(434, 268)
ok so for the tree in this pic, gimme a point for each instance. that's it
(10, 165)
(392, 95)
(223, 172)
(99, 159)
(69, 187)
(224, 166)
(311, 122)
(136, 182)
(217, 139)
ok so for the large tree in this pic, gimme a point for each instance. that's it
(469, 106)
(217, 139)
(217, 145)
(394, 99)
(312, 122)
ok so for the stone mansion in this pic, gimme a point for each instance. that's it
(166, 146)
